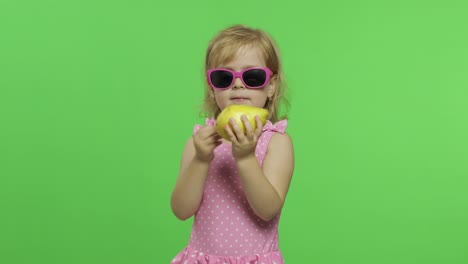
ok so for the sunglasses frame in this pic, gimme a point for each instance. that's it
(238, 74)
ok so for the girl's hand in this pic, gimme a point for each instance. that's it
(205, 141)
(244, 145)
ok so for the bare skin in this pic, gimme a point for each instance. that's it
(196, 158)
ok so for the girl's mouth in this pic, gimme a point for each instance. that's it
(238, 99)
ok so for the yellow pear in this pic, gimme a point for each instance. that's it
(236, 111)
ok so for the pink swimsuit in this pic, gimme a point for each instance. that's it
(225, 228)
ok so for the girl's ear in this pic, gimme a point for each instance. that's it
(273, 86)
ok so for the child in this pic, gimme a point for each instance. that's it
(235, 189)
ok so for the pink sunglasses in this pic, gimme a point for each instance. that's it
(252, 78)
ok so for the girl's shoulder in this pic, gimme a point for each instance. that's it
(279, 126)
(280, 140)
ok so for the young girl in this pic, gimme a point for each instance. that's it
(235, 189)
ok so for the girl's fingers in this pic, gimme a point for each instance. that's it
(236, 133)
(230, 133)
(248, 127)
(214, 138)
(216, 143)
(239, 134)
(205, 133)
(211, 131)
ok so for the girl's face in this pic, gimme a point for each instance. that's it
(237, 93)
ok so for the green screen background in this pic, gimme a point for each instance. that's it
(97, 99)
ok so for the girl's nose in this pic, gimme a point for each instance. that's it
(237, 83)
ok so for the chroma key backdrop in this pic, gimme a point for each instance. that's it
(97, 99)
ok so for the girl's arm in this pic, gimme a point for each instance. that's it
(195, 162)
(266, 187)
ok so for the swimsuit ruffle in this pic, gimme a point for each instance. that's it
(192, 256)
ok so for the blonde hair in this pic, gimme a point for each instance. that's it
(225, 46)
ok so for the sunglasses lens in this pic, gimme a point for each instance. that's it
(221, 79)
(254, 77)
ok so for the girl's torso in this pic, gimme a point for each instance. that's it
(225, 225)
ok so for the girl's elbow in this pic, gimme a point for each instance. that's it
(268, 216)
(181, 215)
(179, 212)
(265, 218)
